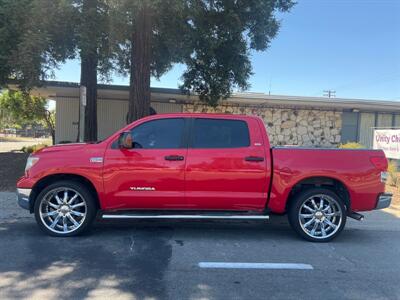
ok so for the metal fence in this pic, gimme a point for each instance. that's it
(31, 132)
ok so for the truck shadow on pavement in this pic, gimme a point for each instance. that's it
(130, 259)
(94, 265)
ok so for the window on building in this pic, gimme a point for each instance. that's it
(349, 127)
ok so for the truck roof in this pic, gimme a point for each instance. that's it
(206, 115)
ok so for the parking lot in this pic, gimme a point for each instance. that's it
(160, 260)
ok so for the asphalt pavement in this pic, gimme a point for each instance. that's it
(174, 260)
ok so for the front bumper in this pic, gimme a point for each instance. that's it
(384, 200)
(23, 198)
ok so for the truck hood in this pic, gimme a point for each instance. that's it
(63, 147)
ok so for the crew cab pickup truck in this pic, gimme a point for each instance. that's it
(200, 166)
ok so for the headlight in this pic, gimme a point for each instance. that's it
(384, 176)
(30, 162)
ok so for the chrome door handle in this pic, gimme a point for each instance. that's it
(174, 157)
(254, 158)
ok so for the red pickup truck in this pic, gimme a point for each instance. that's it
(200, 166)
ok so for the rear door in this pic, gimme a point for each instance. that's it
(226, 165)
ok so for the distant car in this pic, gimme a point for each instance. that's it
(200, 166)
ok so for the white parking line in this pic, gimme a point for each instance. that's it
(269, 266)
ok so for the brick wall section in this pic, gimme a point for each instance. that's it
(287, 126)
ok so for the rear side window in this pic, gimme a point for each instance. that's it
(159, 134)
(215, 133)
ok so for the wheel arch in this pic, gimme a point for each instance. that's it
(47, 180)
(330, 183)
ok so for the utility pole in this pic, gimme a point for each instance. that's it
(269, 88)
(82, 105)
(330, 93)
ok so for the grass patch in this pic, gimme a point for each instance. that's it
(351, 145)
(16, 139)
(33, 148)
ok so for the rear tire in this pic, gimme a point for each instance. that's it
(317, 215)
(65, 208)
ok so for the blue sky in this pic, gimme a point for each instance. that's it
(350, 46)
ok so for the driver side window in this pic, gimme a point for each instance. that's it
(159, 134)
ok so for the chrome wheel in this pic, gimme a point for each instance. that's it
(320, 216)
(63, 210)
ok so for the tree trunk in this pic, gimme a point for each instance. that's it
(139, 90)
(89, 80)
(53, 136)
(49, 119)
(89, 62)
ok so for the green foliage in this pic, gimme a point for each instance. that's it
(19, 109)
(35, 36)
(214, 39)
(222, 35)
(33, 148)
(169, 41)
(352, 145)
(12, 16)
(393, 173)
(92, 33)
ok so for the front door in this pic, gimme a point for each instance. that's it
(226, 167)
(151, 175)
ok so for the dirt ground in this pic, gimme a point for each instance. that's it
(12, 144)
(394, 208)
(12, 167)
(396, 193)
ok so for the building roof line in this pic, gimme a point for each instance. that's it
(103, 86)
(244, 97)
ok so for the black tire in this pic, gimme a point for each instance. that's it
(88, 209)
(297, 211)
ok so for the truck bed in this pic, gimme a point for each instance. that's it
(358, 170)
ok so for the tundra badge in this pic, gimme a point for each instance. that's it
(96, 159)
(142, 188)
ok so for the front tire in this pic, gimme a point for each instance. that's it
(65, 208)
(317, 215)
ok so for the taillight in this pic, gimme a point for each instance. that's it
(379, 162)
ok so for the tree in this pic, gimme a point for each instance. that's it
(19, 109)
(213, 38)
(95, 53)
(38, 35)
(35, 36)
(148, 38)
(222, 35)
(11, 15)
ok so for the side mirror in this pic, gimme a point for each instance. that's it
(125, 140)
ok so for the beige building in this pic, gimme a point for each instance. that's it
(290, 120)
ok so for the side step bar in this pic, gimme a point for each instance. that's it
(160, 216)
(356, 216)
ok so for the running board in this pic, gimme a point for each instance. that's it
(356, 216)
(215, 217)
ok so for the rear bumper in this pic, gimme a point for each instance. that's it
(384, 200)
(23, 198)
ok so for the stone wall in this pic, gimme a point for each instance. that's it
(287, 126)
